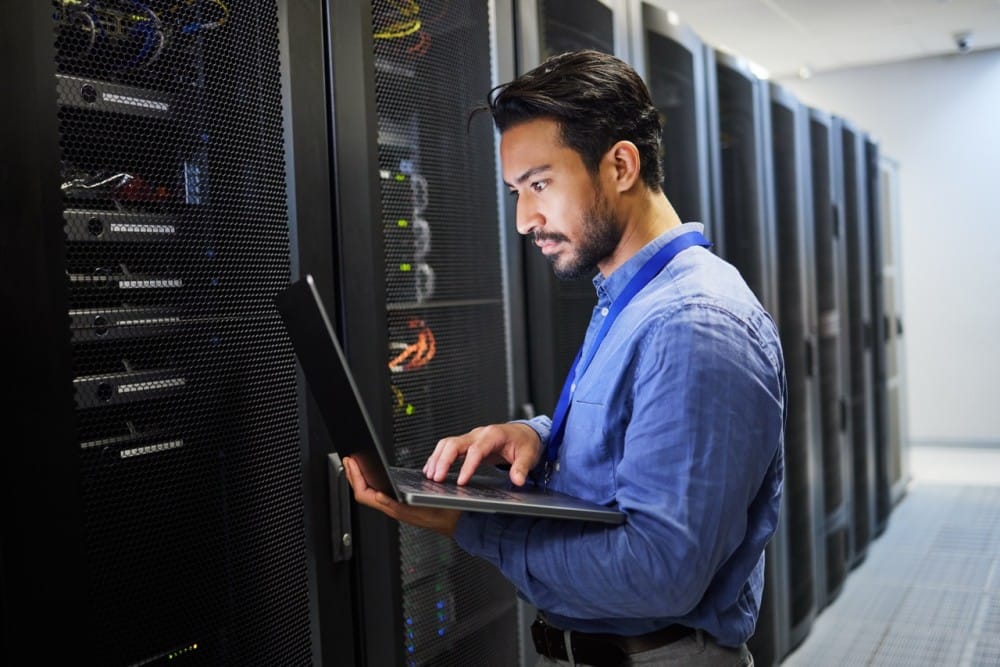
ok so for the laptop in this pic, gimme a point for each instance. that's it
(347, 421)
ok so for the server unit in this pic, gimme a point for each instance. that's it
(156, 505)
(859, 309)
(422, 289)
(879, 326)
(834, 417)
(746, 224)
(671, 60)
(558, 310)
(898, 460)
(793, 218)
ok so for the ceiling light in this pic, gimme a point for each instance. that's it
(759, 71)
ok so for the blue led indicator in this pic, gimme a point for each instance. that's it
(441, 632)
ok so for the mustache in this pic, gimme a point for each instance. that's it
(540, 237)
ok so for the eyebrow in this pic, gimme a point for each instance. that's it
(528, 174)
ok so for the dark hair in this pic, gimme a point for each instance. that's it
(597, 100)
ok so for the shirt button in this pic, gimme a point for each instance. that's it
(572, 388)
(557, 466)
(604, 312)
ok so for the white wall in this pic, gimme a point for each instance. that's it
(940, 119)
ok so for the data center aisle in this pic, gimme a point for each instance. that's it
(928, 592)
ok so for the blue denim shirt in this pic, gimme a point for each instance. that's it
(678, 422)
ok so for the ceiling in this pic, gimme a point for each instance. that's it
(796, 37)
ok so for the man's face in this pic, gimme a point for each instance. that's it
(559, 201)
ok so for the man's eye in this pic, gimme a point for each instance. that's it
(513, 193)
(538, 186)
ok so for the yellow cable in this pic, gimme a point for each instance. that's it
(398, 30)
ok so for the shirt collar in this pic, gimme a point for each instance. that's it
(609, 288)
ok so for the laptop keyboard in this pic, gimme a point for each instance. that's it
(415, 478)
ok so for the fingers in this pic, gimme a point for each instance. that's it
(525, 455)
(473, 457)
(447, 451)
(442, 521)
(365, 494)
(514, 443)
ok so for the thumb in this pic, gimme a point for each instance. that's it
(519, 472)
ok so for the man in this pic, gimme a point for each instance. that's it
(673, 413)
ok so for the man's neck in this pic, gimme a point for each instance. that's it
(650, 216)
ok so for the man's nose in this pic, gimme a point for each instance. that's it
(528, 216)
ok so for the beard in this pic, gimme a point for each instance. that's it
(600, 235)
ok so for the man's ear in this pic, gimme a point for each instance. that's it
(624, 158)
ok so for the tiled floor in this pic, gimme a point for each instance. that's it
(928, 592)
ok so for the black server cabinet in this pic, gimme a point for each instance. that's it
(879, 326)
(858, 286)
(156, 508)
(422, 293)
(793, 218)
(896, 432)
(670, 58)
(745, 218)
(834, 417)
(558, 310)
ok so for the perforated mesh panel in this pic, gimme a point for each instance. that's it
(742, 226)
(177, 239)
(447, 346)
(859, 357)
(836, 560)
(792, 282)
(829, 317)
(672, 87)
(569, 25)
(561, 308)
(830, 386)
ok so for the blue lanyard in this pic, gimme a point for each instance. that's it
(647, 272)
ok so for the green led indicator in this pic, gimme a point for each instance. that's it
(400, 177)
(402, 222)
(404, 267)
(410, 409)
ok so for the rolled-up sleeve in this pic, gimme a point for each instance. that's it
(704, 396)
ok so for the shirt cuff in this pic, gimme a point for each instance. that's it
(542, 425)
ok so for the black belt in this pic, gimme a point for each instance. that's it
(601, 650)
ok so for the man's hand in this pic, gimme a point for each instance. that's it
(442, 521)
(517, 444)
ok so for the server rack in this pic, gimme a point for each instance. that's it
(423, 292)
(880, 401)
(558, 310)
(670, 58)
(830, 303)
(161, 511)
(794, 229)
(746, 224)
(898, 461)
(858, 280)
